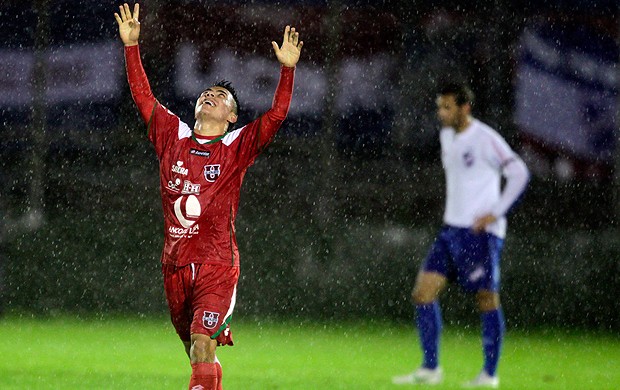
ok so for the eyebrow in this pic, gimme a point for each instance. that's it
(217, 90)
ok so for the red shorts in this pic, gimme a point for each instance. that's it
(201, 299)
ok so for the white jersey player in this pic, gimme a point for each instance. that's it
(468, 247)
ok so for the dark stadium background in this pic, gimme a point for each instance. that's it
(338, 213)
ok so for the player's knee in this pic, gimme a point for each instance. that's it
(202, 349)
(421, 296)
(487, 300)
(427, 287)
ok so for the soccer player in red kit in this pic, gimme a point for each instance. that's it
(201, 171)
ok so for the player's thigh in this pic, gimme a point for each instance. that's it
(427, 287)
(478, 263)
(176, 284)
(432, 277)
(213, 302)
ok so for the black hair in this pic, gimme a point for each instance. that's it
(228, 86)
(461, 92)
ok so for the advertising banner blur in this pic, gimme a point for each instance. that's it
(74, 73)
(566, 98)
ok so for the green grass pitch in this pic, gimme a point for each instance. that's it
(144, 353)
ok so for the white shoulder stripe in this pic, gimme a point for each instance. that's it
(184, 130)
(232, 136)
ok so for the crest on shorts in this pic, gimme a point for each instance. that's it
(209, 319)
(212, 172)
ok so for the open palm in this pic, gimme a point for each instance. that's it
(288, 53)
(128, 24)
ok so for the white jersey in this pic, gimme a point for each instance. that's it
(474, 161)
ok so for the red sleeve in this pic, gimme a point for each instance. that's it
(162, 125)
(255, 136)
(271, 120)
(138, 83)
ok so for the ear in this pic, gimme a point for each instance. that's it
(232, 118)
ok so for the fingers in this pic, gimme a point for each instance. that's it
(275, 46)
(127, 11)
(125, 15)
(122, 12)
(292, 36)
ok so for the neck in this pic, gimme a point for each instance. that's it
(209, 128)
(464, 124)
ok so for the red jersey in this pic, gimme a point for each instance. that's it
(201, 182)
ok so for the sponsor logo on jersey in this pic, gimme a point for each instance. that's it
(190, 188)
(212, 172)
(179, 232)
(187, 209)
(468, 158)
(209, 319)
(174, 185)
(200, 153)
(178, 168)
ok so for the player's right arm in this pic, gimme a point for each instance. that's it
(129, 32)
(269, 123)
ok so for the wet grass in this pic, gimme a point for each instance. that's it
(135, 353)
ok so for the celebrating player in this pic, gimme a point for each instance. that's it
(468, 246)
(201, 171)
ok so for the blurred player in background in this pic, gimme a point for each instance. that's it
(468, 247)
(201, 170)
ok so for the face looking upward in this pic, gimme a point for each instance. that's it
(216, 103)
(451, 114)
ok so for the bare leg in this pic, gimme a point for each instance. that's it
(428, 315)
(202, 358)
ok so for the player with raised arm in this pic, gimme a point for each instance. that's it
(201, 171)
(468, 247)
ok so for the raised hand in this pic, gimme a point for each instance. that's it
(288, 53)
(128, 24)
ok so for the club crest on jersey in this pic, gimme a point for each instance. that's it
(212, 172)
(209, 319)
(468, 158)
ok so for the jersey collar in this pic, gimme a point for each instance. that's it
(214, 140)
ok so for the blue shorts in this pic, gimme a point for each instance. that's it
(469, 259)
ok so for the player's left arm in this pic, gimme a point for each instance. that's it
(258, 134)
(288, 55)
(517, 176)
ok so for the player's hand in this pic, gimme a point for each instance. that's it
(128, 24)
(481, 222)
(288, 53)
